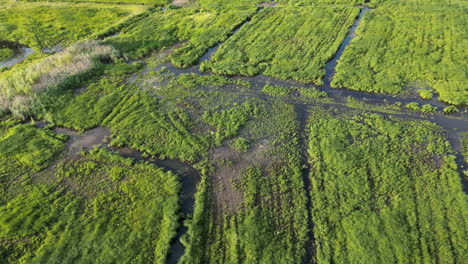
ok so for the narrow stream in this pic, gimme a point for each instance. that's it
(302, 117)
(23, 54)
(331, 65)
(189, 178)
(210, 52)
(452, 124)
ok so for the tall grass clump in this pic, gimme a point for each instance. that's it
(20, 88)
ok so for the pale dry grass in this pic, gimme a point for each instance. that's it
(27, 82)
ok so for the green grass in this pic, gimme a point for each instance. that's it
(228, 122)
(23, 91)
(275, 90)
(377, 195)
(31, 147)
(240, 144)
(45, 25)
(132, 2)
(405, 46)
(198, 30)
(166, 135)
(286, 43)
(6, 53)
(98, 207)
(270, 225)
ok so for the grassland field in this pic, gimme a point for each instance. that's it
(287, 169)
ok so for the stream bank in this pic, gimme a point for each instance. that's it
(188, 176)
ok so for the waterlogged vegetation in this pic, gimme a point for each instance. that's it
(265, 219)
(109, 159)
(278, 90)
(376, 191)
(404, 48)
(286, 43)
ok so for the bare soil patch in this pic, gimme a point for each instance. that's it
(229, 167)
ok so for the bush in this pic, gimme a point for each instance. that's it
(240, 144)
(427, 108)
(312, 93)
(275, 90)
(425, 94)
(6, 54)
(413, 106)
(450, 110)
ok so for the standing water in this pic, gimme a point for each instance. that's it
(24, 52)
(331, 65)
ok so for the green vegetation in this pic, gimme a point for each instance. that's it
(282, 173)
(198, 30)
(43, 26)
(401, 46)
(268, 224)
(228, 122)
(28, 146)
(163, 134)
(21, 88)
(147, 2)
(425, 94)
(127, 211)
(275, 90)
(285, 43)
(464, 143)
(376, 192)
(450, 110)
(311, 93)
(6, 53)
(241, 144)
(427, 108)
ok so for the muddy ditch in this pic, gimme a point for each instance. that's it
(302, 118)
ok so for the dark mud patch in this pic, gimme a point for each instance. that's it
(230, 164)
(96, 137)
(228, 171)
